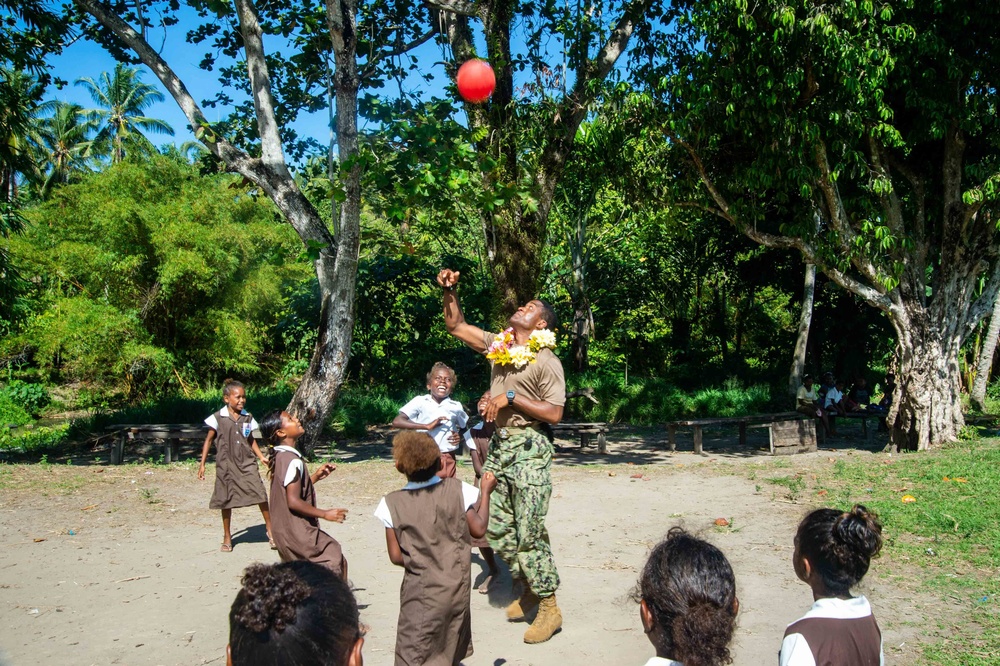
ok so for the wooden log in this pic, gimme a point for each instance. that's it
(602, 443)
(697, 439)
(672, 436)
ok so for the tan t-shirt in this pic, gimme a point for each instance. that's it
(542, 380)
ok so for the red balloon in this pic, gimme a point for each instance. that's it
(476, 81)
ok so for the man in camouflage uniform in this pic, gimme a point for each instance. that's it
(520, 455)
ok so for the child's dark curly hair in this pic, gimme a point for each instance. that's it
(269, 427)
(416, 455)
(840, 545)
(443, 366)
(690, 590)
(292, 613)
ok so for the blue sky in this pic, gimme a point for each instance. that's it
(84, 58)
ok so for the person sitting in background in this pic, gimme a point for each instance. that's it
(826, 383)
(833, 403)
(807, 402)
(859, 397)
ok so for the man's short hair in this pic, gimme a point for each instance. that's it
(549, 315)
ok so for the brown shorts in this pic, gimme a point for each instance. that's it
(449, 467)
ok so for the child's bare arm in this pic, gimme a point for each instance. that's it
(293, 497)
(209, 438)
(256, 450)
(403, 422)
(479, 515)
(323, 471)
(392, 545)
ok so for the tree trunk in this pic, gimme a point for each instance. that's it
(337, 281)
(926, 406)
(985, 363)
(805, 322)
(583, 316)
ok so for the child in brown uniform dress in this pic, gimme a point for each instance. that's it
(428, 526)
(237, 481)
(293, 498)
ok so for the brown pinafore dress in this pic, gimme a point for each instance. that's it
(298, 537)
(435, 626)
(237, 481)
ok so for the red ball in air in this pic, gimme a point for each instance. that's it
(476, 81)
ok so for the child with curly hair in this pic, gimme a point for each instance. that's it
(428, 525)
(294, 613)
(688, 604)
(833, 550)
(293, 498)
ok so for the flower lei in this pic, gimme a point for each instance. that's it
(503, 351)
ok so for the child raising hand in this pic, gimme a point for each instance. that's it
(294, 515)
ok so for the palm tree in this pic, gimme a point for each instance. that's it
(64, 146)
(19, 95)
(122, 98)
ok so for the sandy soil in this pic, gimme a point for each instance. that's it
(121, 565)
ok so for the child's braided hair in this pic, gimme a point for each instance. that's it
(269, 427)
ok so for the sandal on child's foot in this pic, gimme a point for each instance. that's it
(226, 548)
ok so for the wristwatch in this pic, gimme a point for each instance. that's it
(510, 398)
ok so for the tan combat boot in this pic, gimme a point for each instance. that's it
(521, 607)
(547, 622)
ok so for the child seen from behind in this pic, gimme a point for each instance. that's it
(293, 613)
(293, 498)
(833, 550)
(688, 603)
(428, 528)
(237, 479)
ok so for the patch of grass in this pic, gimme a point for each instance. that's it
(948, 537)
(795, 484)
(34, 441)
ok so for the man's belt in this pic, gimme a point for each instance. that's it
(507, 433)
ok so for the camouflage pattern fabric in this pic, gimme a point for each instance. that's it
(518, 507)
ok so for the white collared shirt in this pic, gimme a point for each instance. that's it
(660, 661)
(470, 495)
(213, 420)
(295, 467)
(424, 409)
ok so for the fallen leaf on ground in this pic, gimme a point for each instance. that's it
(39, 540)
(822, 492)
(636, 476)
(906, 499)
(959, 479)
(612, 474)
(88, 508)
(721, 522)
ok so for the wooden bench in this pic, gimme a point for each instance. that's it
(743, 422)
(864, 417)
(170, 433)
(585, 430)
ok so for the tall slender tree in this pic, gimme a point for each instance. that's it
(121, 100)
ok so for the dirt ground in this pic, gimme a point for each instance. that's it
(121, 565)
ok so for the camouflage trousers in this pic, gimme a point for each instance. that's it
(518, 507)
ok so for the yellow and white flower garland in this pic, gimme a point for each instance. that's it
(503, 351)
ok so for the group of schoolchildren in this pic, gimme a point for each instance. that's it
(828, 399)
(303, 611)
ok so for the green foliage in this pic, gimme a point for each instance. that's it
(649, 401)
(11, 413)
(34, 441)
(33, 398)
(149, 276)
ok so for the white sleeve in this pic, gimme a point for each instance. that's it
(382, 513)
(470, 495)
(212, 422)
(461, 418)
(253, 424)
(795, 652)
(411, 410)
(470, 443)
(294, 469)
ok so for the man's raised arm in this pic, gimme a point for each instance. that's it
(454, 320)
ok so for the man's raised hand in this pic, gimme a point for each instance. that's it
(447, 278)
